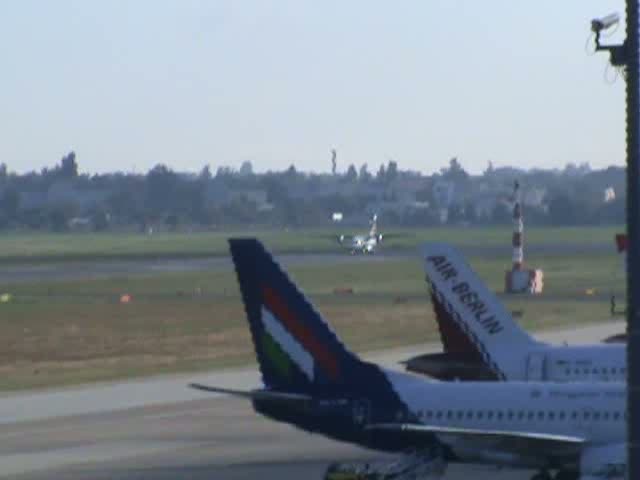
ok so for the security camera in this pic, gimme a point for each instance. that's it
(599, 24)
(618, 53)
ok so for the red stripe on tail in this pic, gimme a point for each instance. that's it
(324, 357)
(621, 242)
(454, 340)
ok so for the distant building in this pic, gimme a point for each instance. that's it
(219, 195)
(79, 223)
(444, 193)
(534, 197)
(32, 200)
(63, 192)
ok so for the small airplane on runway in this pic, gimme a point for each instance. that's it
(313, 382)
(365, 243)
(482, 341)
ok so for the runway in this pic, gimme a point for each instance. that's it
(203, 439)
(158, 429)
(79, 270)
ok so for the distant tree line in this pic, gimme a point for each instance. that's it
(60, 198)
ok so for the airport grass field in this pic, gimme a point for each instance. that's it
(69, 332)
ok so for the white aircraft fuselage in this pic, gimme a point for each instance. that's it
(312, 381)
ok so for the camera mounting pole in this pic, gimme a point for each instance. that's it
(632, 66)
(627, 55)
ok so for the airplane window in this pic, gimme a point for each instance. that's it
(616, 415)
(510, 414)
(586, 415)
(520, 415)
(530, 416)
(586, 371)
(574, 415)
(479, 415)
(567, 371)
(540, 415)
(449, 414)
(561, 415)
(460, 414)
(605, 370)
(429, 414)
(596, 415)
(499, 415)
(551, 415)
(469, 414)
(489, 414)
(605, 415)
(614, 370)
(576, 371)
(439, 414)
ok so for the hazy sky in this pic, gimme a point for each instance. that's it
(129, 84)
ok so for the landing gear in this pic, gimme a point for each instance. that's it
(409, 467)
(543, 475)
(566, 475)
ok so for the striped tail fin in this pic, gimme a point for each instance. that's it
(471, 318)
(296, 349)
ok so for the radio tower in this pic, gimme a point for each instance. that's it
(519, 279)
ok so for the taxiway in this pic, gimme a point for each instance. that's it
(158, 429)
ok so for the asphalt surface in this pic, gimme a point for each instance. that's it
(158, 429)
(79, 270)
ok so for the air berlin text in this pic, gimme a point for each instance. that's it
(468, 297)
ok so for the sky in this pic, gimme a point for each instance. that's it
(128, 84)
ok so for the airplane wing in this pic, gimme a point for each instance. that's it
(392, 235)
(337, 237)
(264, 395)
(516, 442)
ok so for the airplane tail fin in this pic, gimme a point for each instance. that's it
(296, 349)
(373, 231)
(471, 318)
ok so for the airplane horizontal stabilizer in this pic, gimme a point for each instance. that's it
(265, 395)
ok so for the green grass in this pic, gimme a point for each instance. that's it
(34, 247)
(72, 332)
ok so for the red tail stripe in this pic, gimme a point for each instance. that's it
(301, 333)
(621, 241)
(454, 340)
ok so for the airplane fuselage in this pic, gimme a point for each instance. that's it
(314, 382)
(363, 244)
(593, 412)
(598, 362)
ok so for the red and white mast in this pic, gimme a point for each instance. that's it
(520, 279)
(518, 230)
